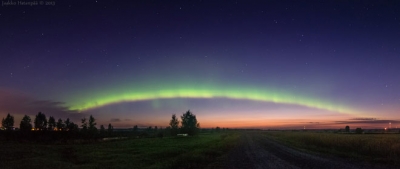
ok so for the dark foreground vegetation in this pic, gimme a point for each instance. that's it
(169, 152)
(375, 148)
(183, 144)
(208, 149)
(64, 144)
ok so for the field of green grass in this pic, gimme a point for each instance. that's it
(380, 148)
(173, 152)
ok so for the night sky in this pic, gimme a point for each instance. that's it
(253, 64)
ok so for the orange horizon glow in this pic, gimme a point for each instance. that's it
(257, 116)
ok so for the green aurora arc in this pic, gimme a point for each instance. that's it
(119, 94)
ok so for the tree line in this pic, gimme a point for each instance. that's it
(41, 123)
(43, 126)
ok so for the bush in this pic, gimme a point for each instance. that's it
(359, 131)
(160, 135)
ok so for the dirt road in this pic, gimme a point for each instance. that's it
(257, 151)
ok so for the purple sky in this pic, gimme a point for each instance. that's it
(344, 53)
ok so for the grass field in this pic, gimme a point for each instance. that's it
(174, 152)
(381, 148)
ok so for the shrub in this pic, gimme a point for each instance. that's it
(359, 131)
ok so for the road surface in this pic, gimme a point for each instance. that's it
(256, 151)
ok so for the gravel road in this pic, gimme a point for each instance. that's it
(257, 151)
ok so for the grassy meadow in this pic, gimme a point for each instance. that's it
(168, 152)
(380, 148)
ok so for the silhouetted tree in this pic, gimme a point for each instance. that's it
(359, 130)
(174, 124)
(72, 127)
(102, 130)
(160, 132)
(155, 129)
(189, 123)
(135, 130)
(217, 129)
(67, 124)
(60, 125)
(347, 129)
(110, 129)
(84, 124)
(8, 122)
(40, 121)
(92, 124)
(25, 124)
(149, 129)
(52, 123)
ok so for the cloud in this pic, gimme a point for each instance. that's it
(18, 103)
(364, 119)
(128, 119)
(115, 120)
(313, 122)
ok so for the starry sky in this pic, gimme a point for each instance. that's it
(237, 64)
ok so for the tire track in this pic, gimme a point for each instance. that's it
(255, 151)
